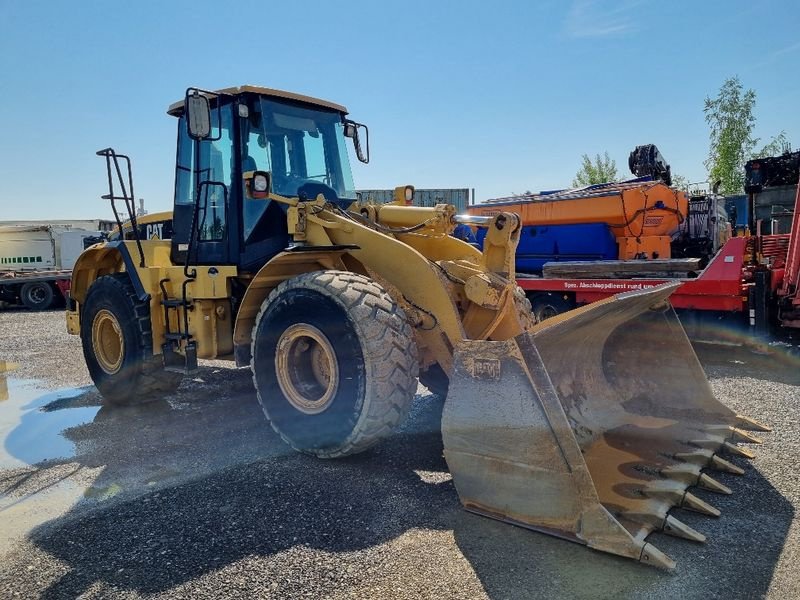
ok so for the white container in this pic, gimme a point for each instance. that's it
(40, 247)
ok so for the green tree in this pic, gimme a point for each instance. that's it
(731, 119)
(776, 146)
(601, 170)
(679, 182)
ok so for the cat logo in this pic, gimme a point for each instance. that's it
(155, 231)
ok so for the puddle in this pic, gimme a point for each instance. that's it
(32, 425)
(33, 421)
(46, 497)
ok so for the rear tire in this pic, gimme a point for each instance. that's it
(117, 339)
(37, 295)
(334, 363)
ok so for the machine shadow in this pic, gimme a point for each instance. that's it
(252, 496)
(225, 488)
(738, 560)
(515, 563)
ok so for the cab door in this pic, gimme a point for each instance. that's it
(203, 186)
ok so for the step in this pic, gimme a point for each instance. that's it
(175, 303)
(176, 336)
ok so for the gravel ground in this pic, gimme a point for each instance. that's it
(195, 497)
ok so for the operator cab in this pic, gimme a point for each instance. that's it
(297, 142)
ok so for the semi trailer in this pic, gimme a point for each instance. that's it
(36, 262)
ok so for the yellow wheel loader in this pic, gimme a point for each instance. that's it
(591, 426)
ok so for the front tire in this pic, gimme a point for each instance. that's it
(334, 363)
(117, 339)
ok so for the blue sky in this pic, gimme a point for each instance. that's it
(499, 96)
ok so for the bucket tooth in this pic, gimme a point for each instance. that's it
(737, 451)
(740, 435)
(720, 464)
(712, 443)
(687, 474)
(692, 502)
(676, 496)
(732, 434)
(697, 457)
(712, 485)
(706, 458)
(655, 557)
(674, 527)
(751, 424)
(692, 476)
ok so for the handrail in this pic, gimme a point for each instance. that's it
(112, 160)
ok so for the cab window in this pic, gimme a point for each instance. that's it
(215, 168)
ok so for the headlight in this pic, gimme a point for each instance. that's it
(409, 194)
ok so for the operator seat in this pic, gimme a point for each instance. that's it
(249, 164)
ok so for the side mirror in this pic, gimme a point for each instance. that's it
(198, 115)
(354, 131)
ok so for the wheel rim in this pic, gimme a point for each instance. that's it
(306, 368)
(36, 294)
(107, 341)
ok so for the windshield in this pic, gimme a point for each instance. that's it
(298, 145)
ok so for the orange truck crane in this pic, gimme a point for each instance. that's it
(641, 216)
(635, 219)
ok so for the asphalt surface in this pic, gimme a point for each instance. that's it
(195, 497)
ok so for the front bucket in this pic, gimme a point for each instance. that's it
(591, 427)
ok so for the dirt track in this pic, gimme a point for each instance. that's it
(196, 497)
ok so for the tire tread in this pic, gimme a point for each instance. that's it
(388, 346)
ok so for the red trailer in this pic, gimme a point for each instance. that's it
(720, 286)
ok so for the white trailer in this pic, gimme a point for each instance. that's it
(36, 262)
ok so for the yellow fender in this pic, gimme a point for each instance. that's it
(96, 261)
